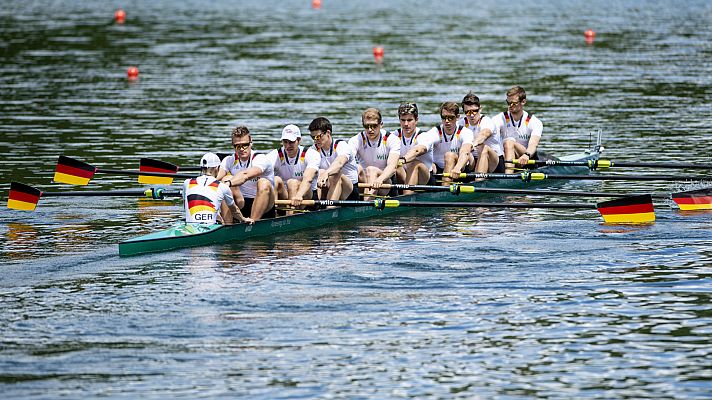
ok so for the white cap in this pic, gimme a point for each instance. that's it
(291, 132)
(209, 160)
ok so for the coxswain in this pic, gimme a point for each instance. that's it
(205, 196)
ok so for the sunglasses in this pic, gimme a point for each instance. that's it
(242, 146)
(448, 118)
(513, 103)
(370, 126)
(472, 113)
(317, 136)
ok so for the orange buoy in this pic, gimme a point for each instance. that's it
(589, 35)
(316, 4)
(132, 73)
(120, 16)
(378, 53)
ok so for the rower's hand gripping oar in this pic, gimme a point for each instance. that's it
(528, 176)
(628, 210)
(75, 172)
(26, 197)
(606, 164)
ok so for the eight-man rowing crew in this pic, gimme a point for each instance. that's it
(247, 183)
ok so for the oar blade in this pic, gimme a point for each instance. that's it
(694, 200)
(152, 165)
(628, 210)
(73, 171)
(23, 197)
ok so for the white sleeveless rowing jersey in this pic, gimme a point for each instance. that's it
(420, 137)
(287, 168)
(451, 143)
(493, 141)
(374, 153)
(249, 188)
(202, 197)
(340, 148)
(521, 130)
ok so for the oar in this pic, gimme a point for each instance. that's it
(457, 189)
(26, 197)
(538, 176)
(629, 210)
(75, 172)
(147, 161)
(604, 164)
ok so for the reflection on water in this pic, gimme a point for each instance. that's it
(438, 303)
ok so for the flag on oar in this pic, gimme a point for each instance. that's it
(23, 197)
(151, 165)
(628, 210)
(694, 200)
(73, 172)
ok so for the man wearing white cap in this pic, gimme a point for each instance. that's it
(295, 167)
(204, 196)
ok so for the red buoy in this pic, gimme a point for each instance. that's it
(590, 36)
(120, 16)
(316, 4)
(132, 73)
(378, 53)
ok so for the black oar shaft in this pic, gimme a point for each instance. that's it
(537, 176)
(136, 173)
(390, 203)
(116, 193)
(603, 164)
(456, 189)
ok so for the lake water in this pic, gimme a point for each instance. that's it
(449, 303)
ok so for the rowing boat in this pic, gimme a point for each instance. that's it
(183, 235)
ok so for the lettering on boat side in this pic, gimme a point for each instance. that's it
(248, 228)
(361, 210)
(335, 214)
(282, 222)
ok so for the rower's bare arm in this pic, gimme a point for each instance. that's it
(391, 166)
(305, 185)
(462, 157)
(533, 144)
(221, 173)
(245, 175)
(336, 166)
(237, 214)
(415, 152)
(482, 136)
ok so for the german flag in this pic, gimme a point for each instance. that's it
(73, 171)
(151, 165)
(628, 210)
(694, 200)
(23, 197)
(198, 203)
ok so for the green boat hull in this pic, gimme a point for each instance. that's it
(184, 235)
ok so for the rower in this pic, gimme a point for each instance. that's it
(377, 152)
(249, 174)
(487, 149)
(295, 167)
(452, 153)
(204, 196)
(338, 173)
(520, 130)
(416, 153)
